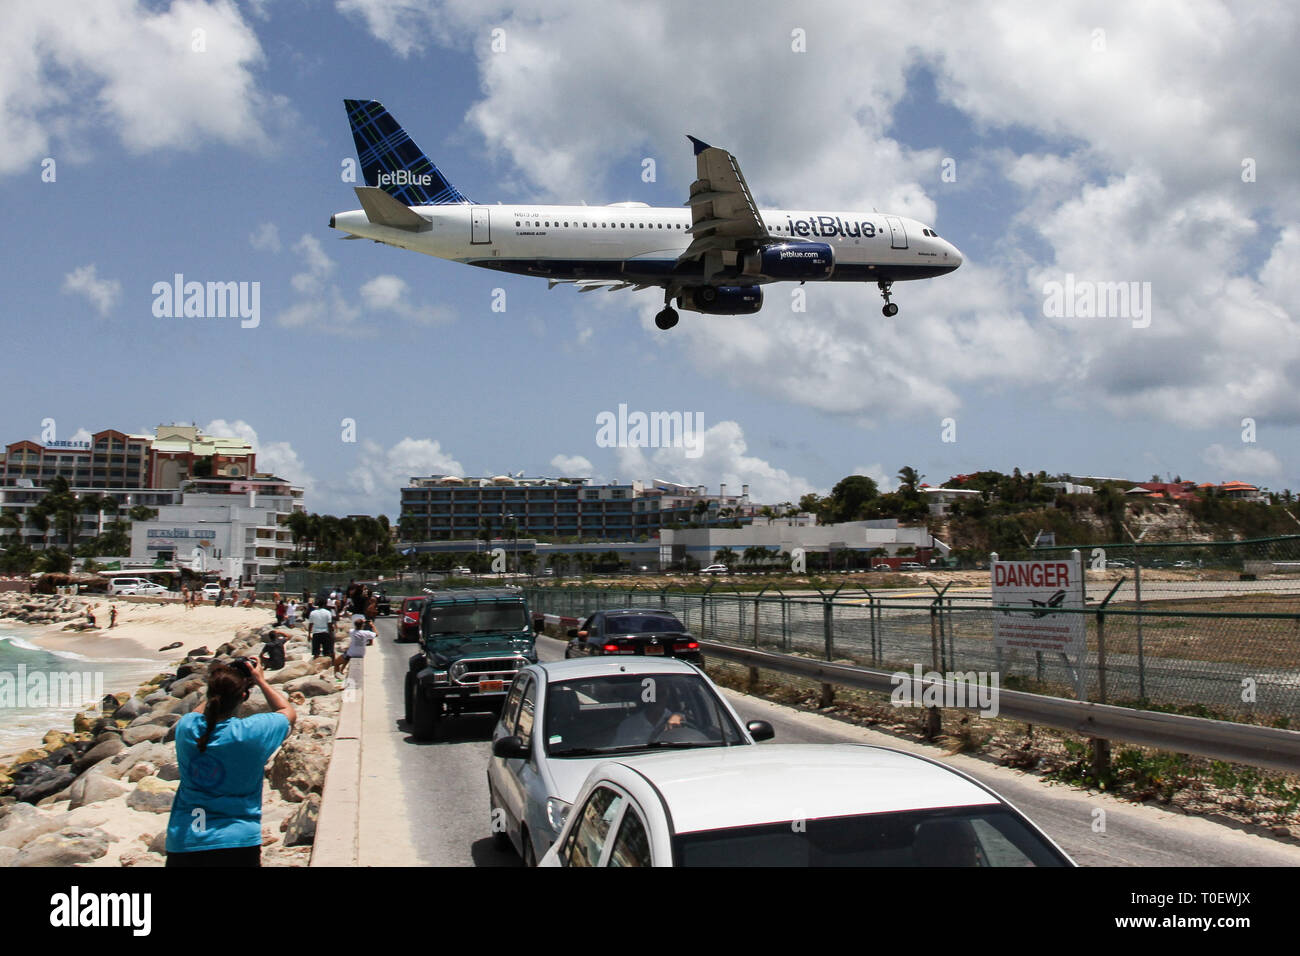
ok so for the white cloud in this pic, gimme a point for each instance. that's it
(1246, 463)
(266, 238)
(70, 72)
(722, 459)
(277, 457)
(101, 293)
(390, 293)
(885, 480)
(573, 466)
(373, 485)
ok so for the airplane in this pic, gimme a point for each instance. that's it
(713, 255)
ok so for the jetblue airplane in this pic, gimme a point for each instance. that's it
(713, 256)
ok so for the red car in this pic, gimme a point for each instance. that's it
(408, 628)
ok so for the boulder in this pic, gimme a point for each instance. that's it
(226, 650)
(157, 697)
(110, 746)
(131, 710)
(153, 795)
(67, 847)
(319, 727)
(163, 720)
(184, 686)
(298, 768)
(155, 753)
(190, 667)
(7, 854)
(53, 740)
(200, 651)
(300, 829)
(143, 733)
(25, 822)
(292, 672)
(326, 706)
(312, 686)
(159, 842)
(82, 722)
(45, 786)
(92, 788)
(140, 771)
(171, 770)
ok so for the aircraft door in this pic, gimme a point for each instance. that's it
(897, 234)
(479, 228)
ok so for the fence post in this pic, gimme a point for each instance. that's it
(933, 718)
(785, 623)
(828, 632)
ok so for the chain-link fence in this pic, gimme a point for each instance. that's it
(1235, 666)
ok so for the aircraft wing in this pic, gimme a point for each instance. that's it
(724, 216)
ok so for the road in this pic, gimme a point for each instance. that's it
(426, 804)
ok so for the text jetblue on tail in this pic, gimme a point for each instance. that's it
(391, 160)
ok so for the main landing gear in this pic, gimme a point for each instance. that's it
(890, 309)
(667, 318)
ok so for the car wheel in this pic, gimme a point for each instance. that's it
(408, 695)
(500, 837)
(424, 716)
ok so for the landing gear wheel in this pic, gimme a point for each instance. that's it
(890, 309)
(424, 716)
(666, 319)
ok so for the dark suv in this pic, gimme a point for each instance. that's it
(473, 641)
(649, 632)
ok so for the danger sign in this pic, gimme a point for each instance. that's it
(1039, 589)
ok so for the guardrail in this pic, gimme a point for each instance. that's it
(1269, 747)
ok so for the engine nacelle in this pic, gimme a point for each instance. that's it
(790, 260)
(722, 299)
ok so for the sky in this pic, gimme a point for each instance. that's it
(1058, 146)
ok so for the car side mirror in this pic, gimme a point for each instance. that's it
(510, 748)
(760, 730)
(572, 632)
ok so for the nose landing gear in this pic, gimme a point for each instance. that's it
(890, 309)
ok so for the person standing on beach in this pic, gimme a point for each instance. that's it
(291, 613)
(321, 624)
(112, 616)
(221, 596)
(216, 816)
(281, 612)
(185, 597)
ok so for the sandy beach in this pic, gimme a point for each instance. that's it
(144, 626)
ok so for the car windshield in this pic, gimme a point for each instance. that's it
(478, 618)
(621, 713)
(642, 624)
(967, 836)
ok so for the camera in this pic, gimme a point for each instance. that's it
(240, 664)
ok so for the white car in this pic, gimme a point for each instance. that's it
(715, 569)
(125, 586)
(210, 592)
(794, 805)
(461, 571)
(562, 718)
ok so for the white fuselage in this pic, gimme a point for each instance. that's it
(631, 240)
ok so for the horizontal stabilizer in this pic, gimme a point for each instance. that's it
(383, 210)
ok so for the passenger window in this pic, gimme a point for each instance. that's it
(516, 222)
(511, 709)
(632, 845)
(527, 707)
(588, 838)
(566, 225)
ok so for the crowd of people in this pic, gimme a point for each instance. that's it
(216, 815)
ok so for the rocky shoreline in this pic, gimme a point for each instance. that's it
(101, 795)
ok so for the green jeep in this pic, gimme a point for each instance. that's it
(473, 641)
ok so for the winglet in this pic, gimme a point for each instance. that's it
(699, 144)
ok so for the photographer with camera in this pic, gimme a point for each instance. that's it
(216, 817)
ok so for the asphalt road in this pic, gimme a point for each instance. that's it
(427, 804)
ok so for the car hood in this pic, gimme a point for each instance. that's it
(568, 774)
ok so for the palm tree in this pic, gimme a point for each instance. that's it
(724, 556)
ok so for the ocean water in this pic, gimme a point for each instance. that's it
(42, 690)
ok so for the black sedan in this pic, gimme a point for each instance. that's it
(647, 633)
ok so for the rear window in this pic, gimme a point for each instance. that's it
(642, 624)
(960, 837)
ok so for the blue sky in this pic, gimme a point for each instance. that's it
(1111, 156)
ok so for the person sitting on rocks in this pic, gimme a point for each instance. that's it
(216, 816)
(273, 650)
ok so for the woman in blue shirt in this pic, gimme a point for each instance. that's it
(216, 817)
